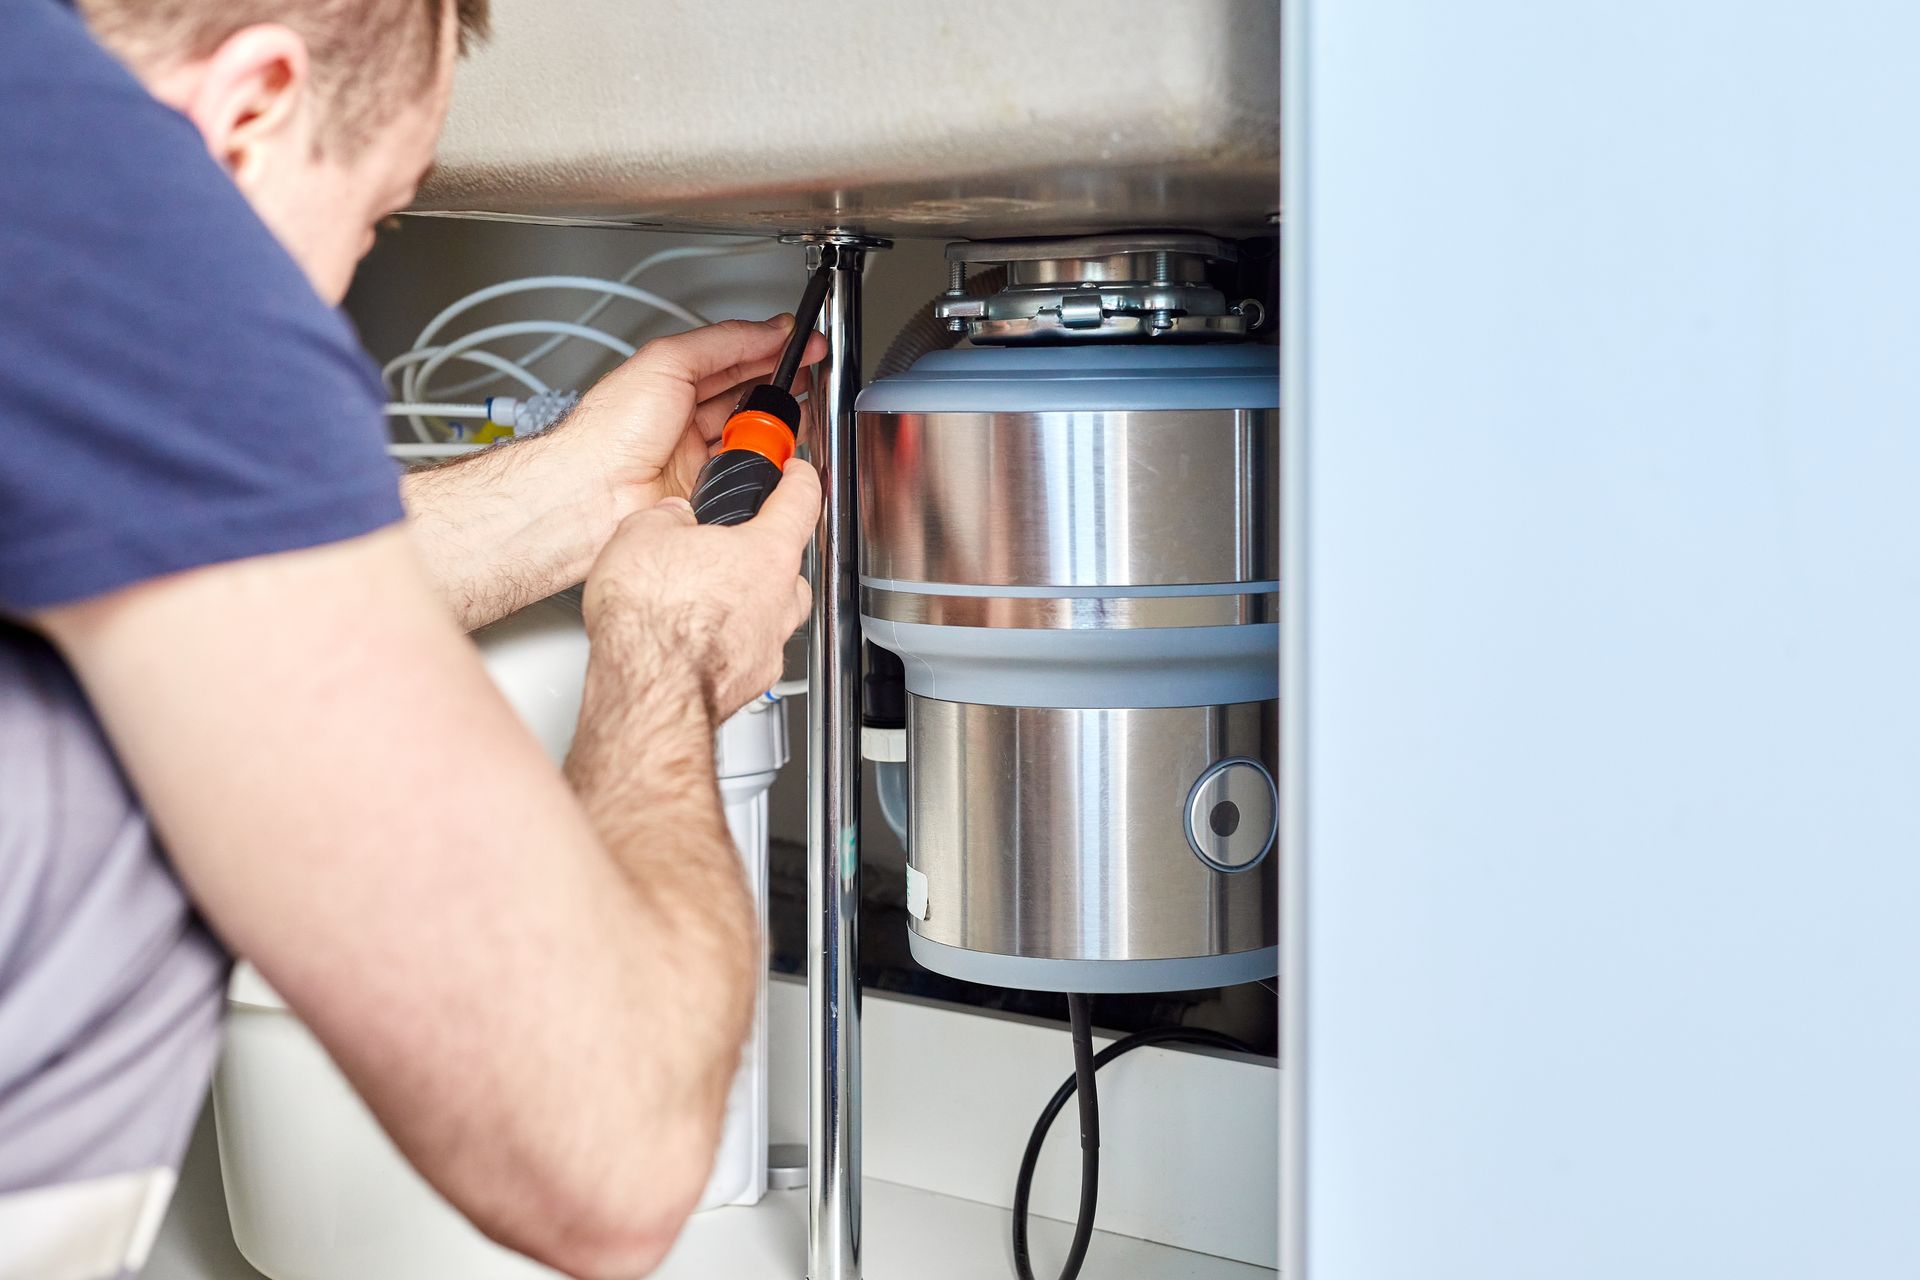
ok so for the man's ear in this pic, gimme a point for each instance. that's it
(252, 101)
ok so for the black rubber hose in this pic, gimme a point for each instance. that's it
(1079, 1009)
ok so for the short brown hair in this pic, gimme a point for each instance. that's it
(365, 53)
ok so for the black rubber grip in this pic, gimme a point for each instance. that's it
(732, 486)
(777, 401)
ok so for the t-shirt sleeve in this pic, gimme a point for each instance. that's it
(173, 393)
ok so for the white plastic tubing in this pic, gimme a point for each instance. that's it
(415, 368)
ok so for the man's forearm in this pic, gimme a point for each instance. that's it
(642, 765)
(509, 525)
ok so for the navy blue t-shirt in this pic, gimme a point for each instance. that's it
(172, 394)
(172, 391)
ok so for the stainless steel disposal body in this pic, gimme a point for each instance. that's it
(1075, 551)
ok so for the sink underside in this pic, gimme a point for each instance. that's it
(993, 118)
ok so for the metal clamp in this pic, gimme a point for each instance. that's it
(1094, 288)
(1080, 311)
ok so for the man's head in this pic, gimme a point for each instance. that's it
(325, 112)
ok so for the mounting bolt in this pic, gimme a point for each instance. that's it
(1162, 267)
(956, 289)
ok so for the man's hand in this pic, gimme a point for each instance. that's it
(515, 524)
(718, 602)
(652, 422)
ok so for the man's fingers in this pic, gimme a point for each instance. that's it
(699, 354)
(802, 605)
(721, 392)
(733, 375)
(712, 414)
(816, 350)
(665, 513)
(754, 370)
(792, 509)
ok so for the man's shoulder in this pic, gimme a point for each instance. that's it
(55, 75)
(106, 177)
(173, 393)
(47, 39)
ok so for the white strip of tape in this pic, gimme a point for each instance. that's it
(85, 1230)
(916, 893)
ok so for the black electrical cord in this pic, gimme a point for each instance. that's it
(1080, 1017)
(1085, 1064)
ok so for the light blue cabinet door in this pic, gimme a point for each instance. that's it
(1605, 407)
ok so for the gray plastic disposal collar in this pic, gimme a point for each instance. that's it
(1158, 667)
(1081, 379)
(1095, 977)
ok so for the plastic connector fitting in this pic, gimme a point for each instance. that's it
(532, 415)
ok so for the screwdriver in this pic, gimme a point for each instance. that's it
(759, 436)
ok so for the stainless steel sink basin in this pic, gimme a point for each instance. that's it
(994, 117)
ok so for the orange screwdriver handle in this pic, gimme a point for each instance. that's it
(758, 431)
(754, 446)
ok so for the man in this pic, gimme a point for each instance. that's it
(539, 983)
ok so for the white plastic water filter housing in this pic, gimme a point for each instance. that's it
(315, 1190)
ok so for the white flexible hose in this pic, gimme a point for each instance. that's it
(544, 349)
(434, 450)
(499, 364)
(609, 289)
(417, 380)
(418, 365)
(492, 333)
(652, 260)
(437, 410)
(414, 382)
